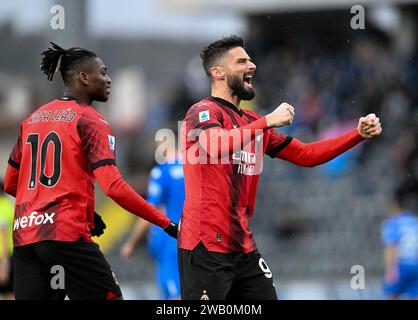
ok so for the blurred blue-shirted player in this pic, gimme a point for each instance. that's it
(165, 189)
(400, 239)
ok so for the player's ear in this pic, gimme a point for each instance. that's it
(82, 76)
(217, 73)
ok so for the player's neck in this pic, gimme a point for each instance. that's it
(226, 94)
(79, 96)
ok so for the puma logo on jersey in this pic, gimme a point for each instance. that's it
(33, 219)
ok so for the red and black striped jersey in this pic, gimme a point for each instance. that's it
(221, 191)
(59, 146)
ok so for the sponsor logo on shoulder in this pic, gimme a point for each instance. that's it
(204, 116)
(111, 142)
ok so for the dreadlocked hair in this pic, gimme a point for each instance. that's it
(56, 58)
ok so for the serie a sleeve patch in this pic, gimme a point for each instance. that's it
(111, 142)
(204, 116)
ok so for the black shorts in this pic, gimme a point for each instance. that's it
(206, 275)
(51, 270)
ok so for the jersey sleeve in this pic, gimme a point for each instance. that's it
(113, 185)
(97, 141)
(276, 142)
(318, 152)
(16, 154)
(156, 186)
(390, 233)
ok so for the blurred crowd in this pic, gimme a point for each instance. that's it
(332, 88)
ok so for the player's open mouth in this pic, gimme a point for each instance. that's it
(247, 79)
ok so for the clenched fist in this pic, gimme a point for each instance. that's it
(282, 116)
(369, 126)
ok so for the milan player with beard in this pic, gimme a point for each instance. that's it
(223, 147)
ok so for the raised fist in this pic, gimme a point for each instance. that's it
(369, 126)
(282, 116)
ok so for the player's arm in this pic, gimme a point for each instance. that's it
(138, 233)
(157, 188)
(11, 180)
(114, 186)
(11, 177)
(218, 142)
(319, 152)
(99, 146)
(390, 256)
(390, 238)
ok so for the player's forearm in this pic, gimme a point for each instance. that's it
(11, 180)
(390, 257)
(114, 186)
(391, 263)
(315, 153)
(218, 142)
(140, 229)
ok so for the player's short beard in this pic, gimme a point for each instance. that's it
(237, 86)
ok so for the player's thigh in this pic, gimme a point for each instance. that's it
(254, 279)
(204, 275)
(87, 274)
(31, 279)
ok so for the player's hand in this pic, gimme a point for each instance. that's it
(99, 225)
(282, 116)
(172, 229)
(127, 249)
(369, 126)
